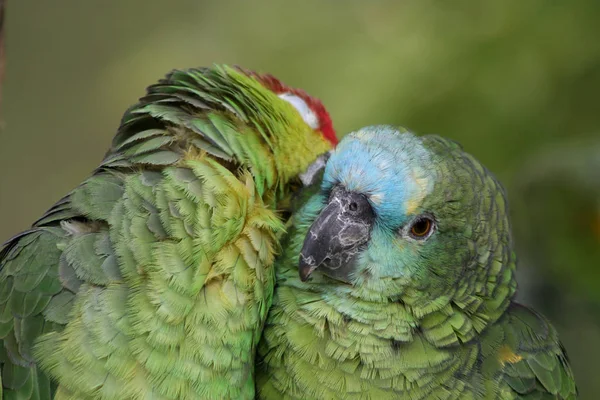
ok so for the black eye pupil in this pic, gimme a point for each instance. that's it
(421, 226)
(353, 206)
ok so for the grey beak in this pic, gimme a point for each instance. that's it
(337, 236)
(310, 176)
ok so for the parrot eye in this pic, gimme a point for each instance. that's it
(421, 227)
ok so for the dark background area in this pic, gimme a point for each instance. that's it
(515, 82)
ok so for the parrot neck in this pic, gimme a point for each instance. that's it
(326, 327)
(364, 313)
(443, 322)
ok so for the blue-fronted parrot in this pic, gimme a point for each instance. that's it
(397, 281)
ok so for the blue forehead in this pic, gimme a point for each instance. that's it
(387, 164)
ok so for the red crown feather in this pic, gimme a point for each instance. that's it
(278, 87)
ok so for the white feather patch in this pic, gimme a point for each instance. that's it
(299, 104)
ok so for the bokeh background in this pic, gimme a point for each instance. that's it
(517, 83)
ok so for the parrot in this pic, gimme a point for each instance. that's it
(152, 279)
(397, 281)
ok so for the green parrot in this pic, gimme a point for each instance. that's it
(152, 279)
(397, 282)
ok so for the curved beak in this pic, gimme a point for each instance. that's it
(337, 236)
(313, 172)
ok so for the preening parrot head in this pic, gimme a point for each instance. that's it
(242, 117)
(310, 108)
(408, 218)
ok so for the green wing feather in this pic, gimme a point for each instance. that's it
(540, 368)
(31, 303)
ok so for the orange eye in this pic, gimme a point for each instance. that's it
(421, 228)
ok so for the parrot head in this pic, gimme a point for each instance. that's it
(310, 108)
(407, 218)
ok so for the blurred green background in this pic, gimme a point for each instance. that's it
(517, 83)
